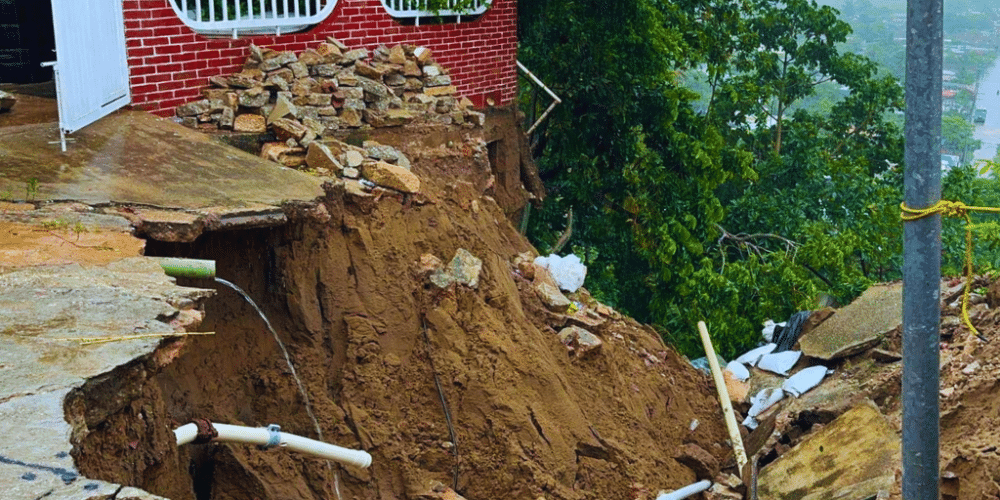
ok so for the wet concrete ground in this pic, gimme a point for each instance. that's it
(69, 267)
(136, 159)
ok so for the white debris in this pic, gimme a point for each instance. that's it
(779, 362)
(753, 356)
(805, 379)
(764, 399)
(568, 272)
(739, 371)
(768, 331)
(694, 424)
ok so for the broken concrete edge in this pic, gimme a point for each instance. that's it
(175, 225)
(55, 409)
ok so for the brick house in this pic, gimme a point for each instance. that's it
(169, 61)
(168, 49)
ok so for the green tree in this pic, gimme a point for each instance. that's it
(715, 213)
(957, 136)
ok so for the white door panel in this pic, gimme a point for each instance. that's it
(91, 62)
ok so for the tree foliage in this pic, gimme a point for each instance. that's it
(731, 207)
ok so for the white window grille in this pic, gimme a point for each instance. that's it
(232, 17)
(416, 9)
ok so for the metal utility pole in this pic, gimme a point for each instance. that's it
(922, 250)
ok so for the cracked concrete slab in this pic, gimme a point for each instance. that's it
(858, 326)
(136, 159)
(41, 307)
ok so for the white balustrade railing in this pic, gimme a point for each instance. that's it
(418, 8)
(225, 17)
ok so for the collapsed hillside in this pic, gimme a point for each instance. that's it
(343, 284)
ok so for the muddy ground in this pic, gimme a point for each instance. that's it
(369, 336)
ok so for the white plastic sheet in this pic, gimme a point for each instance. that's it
(764, 399)
(804, 380)
(753, 356)
(568, 272)
(779, 362)
(739, 371)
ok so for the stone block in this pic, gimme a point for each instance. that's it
(320, 158)
(285, 129)
(250, 122)
(391, 176)
(193, 108)
(440, 91)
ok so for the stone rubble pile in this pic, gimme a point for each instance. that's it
(330, 87)
(304, 99)
(375, 163)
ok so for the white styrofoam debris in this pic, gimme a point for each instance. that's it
(752, 356)
(768, 331)
(779, 362)
(764, 399)
(750, 423)
(805, 379)
(568, 272)
(739, 371)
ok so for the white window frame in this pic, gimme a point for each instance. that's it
(416, 9)
(263, 18)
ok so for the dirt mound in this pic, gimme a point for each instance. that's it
(369, 336)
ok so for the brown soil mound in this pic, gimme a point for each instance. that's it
(342, 286)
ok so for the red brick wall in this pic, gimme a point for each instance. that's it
(169, 63)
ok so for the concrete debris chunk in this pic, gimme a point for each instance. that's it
(552, 298)
(851, 458)
(320, 158)
(858, 326)
(391, 176)
(463, 269)
(580, 341)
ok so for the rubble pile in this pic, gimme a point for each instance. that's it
(303, 97)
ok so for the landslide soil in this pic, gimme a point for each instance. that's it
(368, 335)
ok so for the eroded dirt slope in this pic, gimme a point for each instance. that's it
(342, 285)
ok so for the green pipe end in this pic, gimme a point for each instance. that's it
(187, 268)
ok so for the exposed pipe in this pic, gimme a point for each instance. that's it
(686, 491)
(555, 99)
(186, 268)
(922, 250)
(270, 437)
(727, 405)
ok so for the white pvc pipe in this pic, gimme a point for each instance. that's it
(260, 436)
(686, 491)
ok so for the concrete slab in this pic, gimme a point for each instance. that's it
(40, 307)
(134, 158)
(857, 326)
(852, 458)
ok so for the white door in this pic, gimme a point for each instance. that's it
(91, 65)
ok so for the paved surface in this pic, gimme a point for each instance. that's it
(68, 270)
(134, 158)
(40, 306)
(857, 326)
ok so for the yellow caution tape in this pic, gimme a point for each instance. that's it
(960, 210)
